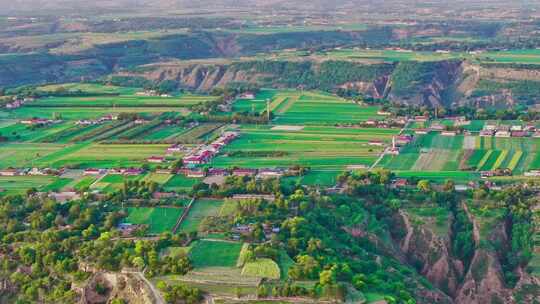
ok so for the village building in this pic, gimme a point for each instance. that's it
(532, 173)
(461, 188)
(421, 118)
(437, 127)
(421, 131)
(400, 183)
(10, 172)
(195, 173)
(519, 134)
(487, 133)
(448, 133)
(490, 127)
(156, 159)
(128, 229)
(402, 140)
(175, 148)
(93, 171)
(247, 95)
(133, 171)
(502, 133)
(376, 142)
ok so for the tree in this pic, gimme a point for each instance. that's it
(424, 185)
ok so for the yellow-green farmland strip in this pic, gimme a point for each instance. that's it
(515, 160)
(276, 102)
(500, 159)
(478, 143)
(286, 104)
(262, 268)
(484, 159)
(158, 178)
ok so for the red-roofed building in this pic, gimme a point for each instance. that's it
(156, 159)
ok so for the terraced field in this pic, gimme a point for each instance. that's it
(327, 148)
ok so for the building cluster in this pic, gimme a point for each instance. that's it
(105, 118)
(510, 131)
(17, 103)
(152, 93)
(258, 173)
(206, 152)
(120, 171)
(28, 171)
(39, 121)
(244, 231)
(398, 142)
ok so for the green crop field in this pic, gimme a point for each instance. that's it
(89, 112)
(215, 254)
(103, 156)
(317, 147)
(315, 108)
(179, 182)
(92, 88)
(158, 219)
(256, 105)
(158, 178)
(201, 209)
(263, 268)
(440, 176)
(19, 184)
(434, 152)
(120, 101)
(26, 154)
(313, 178)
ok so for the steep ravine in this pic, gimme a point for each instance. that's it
(477, 281)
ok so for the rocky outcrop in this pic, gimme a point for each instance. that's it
(104, 287)
(200, 77)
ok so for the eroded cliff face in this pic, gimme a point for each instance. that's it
(480, 282)
(430, 255)
(116, 286)
(442, 83)
(200, 77)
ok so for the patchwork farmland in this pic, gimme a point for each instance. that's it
(319, 147)
(464, 153)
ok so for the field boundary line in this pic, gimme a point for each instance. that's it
(183, 216)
